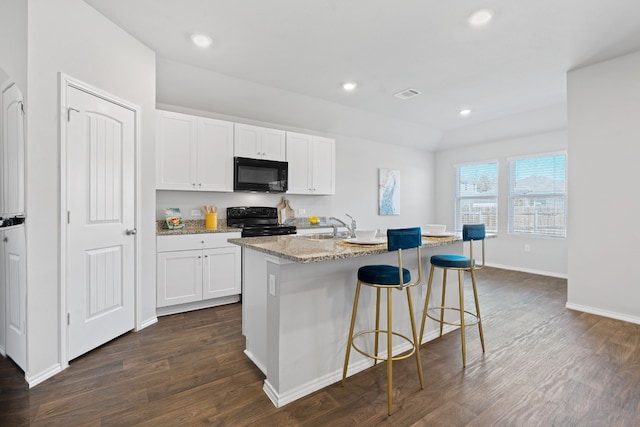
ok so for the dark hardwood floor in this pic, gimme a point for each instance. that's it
(544, 366)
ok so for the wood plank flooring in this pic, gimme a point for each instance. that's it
(544, 366)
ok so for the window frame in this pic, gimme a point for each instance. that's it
(493, 198)
(512, 197)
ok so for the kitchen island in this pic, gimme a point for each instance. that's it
(297, 299)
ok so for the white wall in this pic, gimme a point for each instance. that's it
(357, 163)
(13, 41)
(604, 135)
(548, 255)
(70, 37)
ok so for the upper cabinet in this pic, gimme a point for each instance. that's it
(193, 153)
(12, 151)
(259, 143)
(311, 164)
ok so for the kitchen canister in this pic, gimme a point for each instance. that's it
(211, 221)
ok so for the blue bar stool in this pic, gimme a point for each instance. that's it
(389, 277)
(460, 263)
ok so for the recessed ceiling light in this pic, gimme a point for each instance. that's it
(201, 40)
(349, 86)
(465, 112)
(481, 17)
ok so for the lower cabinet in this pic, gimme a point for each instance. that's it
(13, 290)
(197, 270)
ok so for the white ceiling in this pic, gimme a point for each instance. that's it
(515, 65)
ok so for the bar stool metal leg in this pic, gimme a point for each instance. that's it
(350, 340)
(377, 334)
(475, 296)
(416, 341)
(444, 293)
(462, 325)
(389, 350)
(426, 303)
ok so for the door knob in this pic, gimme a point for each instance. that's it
(131, 232)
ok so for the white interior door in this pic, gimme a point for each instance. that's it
(100, 233)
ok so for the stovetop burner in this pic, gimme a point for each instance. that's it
(257, 221)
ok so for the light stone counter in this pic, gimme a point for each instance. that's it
(303, 249)
(194, 226)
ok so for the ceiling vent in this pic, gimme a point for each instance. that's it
(407, 93)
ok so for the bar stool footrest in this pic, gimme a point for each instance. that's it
(383, 331)
(473, 322)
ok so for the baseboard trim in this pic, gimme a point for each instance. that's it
(529, 270)
(147, 322)
(34, 380)
(181, 308)
(281, 399)
(255, 361)
(603, 313)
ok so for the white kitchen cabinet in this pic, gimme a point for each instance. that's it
(12, 151)
(14, 288)
(311, 164)
(197, 270)
(193, 153)
(257, 142)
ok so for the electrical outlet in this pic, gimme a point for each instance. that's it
(527, 248)
(195, 213)
(302, 211)
(272, 285)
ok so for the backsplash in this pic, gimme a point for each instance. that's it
(188, 201)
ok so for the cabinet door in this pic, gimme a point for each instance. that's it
(256, 142)
(221, 272)
(273, 144)
(15, 276)
(12, 152)
(323, 166)
(179, 277)
(298, 157)
(176, 151)
(247, 141)
(215, 155)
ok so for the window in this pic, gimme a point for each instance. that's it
(477, 195)
(537, 195)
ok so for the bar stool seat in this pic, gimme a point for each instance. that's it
(389, 277)
(459, 263)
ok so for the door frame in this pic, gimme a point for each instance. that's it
(66, 81)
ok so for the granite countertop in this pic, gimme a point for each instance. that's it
(194, 226)
(304, 250)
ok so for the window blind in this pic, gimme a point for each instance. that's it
(537, 195)
(477, 195)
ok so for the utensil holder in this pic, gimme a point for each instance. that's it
(211, 221)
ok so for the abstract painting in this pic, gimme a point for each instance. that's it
(389, 186)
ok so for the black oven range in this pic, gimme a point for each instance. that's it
(257, 221)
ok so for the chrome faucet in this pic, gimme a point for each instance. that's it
(352, 228)
(353, 225)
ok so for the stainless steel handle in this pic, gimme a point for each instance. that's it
(131, 232)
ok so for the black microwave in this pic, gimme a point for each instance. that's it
(266, 176)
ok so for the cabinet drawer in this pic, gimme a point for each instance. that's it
(185, 242)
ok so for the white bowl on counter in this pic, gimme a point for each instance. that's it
(434, 228)
(366, 235)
